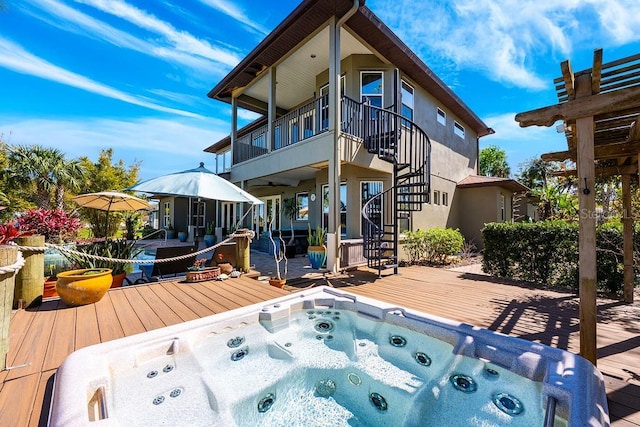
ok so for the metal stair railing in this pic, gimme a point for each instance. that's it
(399, 141)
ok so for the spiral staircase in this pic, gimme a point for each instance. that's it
(402, 143)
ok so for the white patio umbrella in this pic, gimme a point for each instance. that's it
(111, 201)
(199, 182)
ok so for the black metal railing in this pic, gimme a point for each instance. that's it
(399, 141)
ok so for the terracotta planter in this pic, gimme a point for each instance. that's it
(86, 286)
(317, 256)
(209, 273)
(118, 280)
(49, 289)
(278, 283)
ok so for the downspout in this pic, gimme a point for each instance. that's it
(333, 236)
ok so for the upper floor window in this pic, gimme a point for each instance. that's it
(371, 87)
(458, 129)
(445, 199)
(324, 103)
(223, 161)
(442, 117)
(436, 197)
(407, 100)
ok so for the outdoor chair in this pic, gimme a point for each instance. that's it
(164, 270)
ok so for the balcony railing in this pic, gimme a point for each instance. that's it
(298, 125)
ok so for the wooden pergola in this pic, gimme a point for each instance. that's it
(599, 107)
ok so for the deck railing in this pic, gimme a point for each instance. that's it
(298, 125)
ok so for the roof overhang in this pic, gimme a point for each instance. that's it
(476, 181)
(299, 46)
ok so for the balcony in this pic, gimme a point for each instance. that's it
(298, 125)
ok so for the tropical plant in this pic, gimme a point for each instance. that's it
(108, 248)
(55, 225)
(316, 238)
(47, 171)
(9, 231)
(210, 228)
(493, 162)
(105, 174)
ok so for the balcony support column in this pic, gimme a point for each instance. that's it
(271, 113)
(333, 235)
(234, 126)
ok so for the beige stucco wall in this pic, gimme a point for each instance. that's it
(478, 206)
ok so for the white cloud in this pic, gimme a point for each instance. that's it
(163, 146)
(505, 39)
(66, 18)
(232, 11)
(14, 57)
(179, 40)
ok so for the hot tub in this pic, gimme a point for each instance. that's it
(326, 358)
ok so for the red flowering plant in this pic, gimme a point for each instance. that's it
(55, 225)
(9, 231)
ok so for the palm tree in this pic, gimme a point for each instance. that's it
(46, 171)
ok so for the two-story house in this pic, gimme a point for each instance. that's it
(349, 115)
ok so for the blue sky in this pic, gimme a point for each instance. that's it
(133, 74)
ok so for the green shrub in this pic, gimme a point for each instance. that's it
(433, 245)
(547, 253)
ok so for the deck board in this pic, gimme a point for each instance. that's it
(43, 337)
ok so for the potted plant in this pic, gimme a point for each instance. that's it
(289, 209)
(199, 272)
(171, 233)
(109, 248)
(317, 251)
(279, 255)
(209, 234)
(83, 286)
(182, 236)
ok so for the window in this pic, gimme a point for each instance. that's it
(198, 215)
(371, 89)
(442, 117)
(407, 101)
(436, 197)
(445, 199)
(302, 206)
(343, 207)
(166, 218)
(324, 103)
(368, 189)
(264, 213)
(502, 210)
(458, 129)
(230, 216)
(260, 140)
(223, 161)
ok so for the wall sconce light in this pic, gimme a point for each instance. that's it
(586, 190)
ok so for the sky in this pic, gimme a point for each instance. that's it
(133, 75)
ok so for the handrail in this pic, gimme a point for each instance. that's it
(550, 413)
(156, 232)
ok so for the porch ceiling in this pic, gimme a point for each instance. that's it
(296, 75)
(290, 178)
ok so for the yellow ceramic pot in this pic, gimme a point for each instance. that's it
(86, 286)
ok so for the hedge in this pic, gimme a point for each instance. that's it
(547, 253)
(433, 245)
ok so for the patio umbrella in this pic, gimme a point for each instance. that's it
(199, 182)
(111, 201)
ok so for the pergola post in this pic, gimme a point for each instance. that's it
(587, 227)
(627, 231)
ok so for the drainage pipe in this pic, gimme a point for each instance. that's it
(333, 236)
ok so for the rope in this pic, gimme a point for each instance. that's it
(249, 234)
(15, 267)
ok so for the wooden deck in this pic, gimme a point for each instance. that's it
(43, 337)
